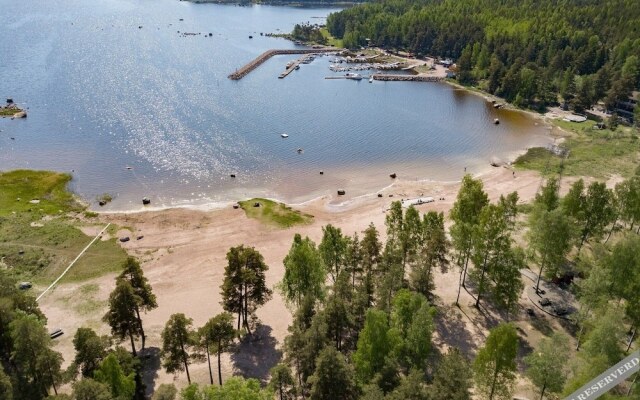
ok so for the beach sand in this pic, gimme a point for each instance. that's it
(183, 256)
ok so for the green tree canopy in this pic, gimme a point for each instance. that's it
(304, 271)
(89, 389)
(244, 288)
(333, 378)
(178, 338)
(38, 364)
(217, 335)
(90, 349)
(121, 315)
(452, 379)
(132, 272)
(547, 364)
(495, 364)
(110, 373)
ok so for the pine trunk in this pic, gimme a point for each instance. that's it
(484, 268)
(142, 335)
(209, 364)
(133, 344)
(633, 336)
(612, 228)
(493, 383)
(544, 387)
(219, 367)
(539, 276)
(185, 361)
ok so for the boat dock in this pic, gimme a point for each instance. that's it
(400, 78)
(390, 77)
(255, 63)
(293, 66)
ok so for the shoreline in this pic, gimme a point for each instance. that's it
(344, 205)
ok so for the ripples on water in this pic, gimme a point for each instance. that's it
(104, 94)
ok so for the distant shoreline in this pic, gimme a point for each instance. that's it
(281, 3)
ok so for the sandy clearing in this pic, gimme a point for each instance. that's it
(183, 254)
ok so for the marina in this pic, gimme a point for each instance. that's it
(191, 136)
(255, 63)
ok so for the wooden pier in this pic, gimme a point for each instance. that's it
(242, 72)
(293, 66)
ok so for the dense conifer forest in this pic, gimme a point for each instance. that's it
(533, 53)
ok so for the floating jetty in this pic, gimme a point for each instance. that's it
(242, 72)
(293, 66)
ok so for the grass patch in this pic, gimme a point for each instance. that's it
(592, 152)
(38, 240)
(8, 112)
(331, 41)
(47, 188)
(275, 214)
(41, 251)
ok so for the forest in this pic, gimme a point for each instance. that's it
(365, 310)
(532, 53)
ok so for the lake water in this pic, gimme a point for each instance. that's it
(104, 94)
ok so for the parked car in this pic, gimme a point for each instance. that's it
(559, 310)
(544, 302)
(24, 285)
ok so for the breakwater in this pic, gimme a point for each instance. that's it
(256, 62)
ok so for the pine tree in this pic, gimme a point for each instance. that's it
(281, 382)
(38, 364)
(217, 335)
(244, 288)
(90, 349)
(333, 377)
(132, 272)
(178, 339)
(6, 389)
(452, 379)
(89, 389)
(121, 316)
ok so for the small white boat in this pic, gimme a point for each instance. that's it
(284, 135)
(371, 79)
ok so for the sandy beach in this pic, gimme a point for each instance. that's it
(183, 255)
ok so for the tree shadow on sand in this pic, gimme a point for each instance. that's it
(452, 330)
(256, 354)
(150, 358)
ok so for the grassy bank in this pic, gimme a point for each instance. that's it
(592, 152)
(275, 214)
(39, 232)
(331, 41)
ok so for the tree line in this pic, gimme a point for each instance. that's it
(363, 309)
(533, 53)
